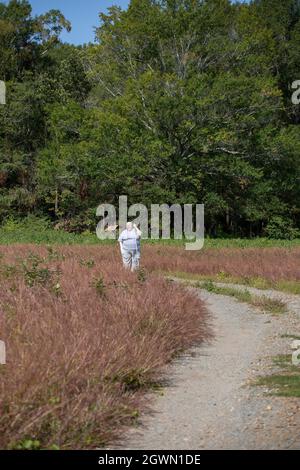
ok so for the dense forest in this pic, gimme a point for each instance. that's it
(177, 101)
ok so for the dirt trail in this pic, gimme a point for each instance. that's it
(209, 403)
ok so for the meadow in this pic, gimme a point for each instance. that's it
(272, 267)
(38, 231)
(85, 339)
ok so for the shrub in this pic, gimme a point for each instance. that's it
(279, 228)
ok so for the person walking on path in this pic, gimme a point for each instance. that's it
(130, 245)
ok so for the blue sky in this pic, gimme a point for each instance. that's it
(83, 15)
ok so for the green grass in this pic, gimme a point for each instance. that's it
(220, 243)
(291, 287)
(39, 231)
(250, 243)
(265, 304)
(286, 382)
(47, 237)
(290, 336)
(285, 361)
(284, 385)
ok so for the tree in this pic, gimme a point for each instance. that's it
(180, 101)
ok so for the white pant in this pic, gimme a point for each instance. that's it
(131, 259)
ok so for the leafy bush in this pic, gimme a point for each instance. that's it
(280, 228)
(30, 223)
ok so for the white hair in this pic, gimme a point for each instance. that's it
(129, 226)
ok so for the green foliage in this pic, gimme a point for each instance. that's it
(38, 231)
(31, 222)
(141, 275)
(89, 263)
(132, 379)
(179, 102)
(27, 444)
(100, 287)
(33, 273)
(280, 228)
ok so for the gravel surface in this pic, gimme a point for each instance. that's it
(210, 401)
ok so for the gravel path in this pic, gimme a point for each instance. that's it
(292, 301)
(208, 403)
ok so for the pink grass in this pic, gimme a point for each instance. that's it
(272, 264)
(84, 343)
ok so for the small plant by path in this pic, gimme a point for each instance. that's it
(286, 335)
(263, 303)
(288, 286)
(286, 382)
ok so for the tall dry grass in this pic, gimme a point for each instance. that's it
(84, 340)
(272, 264)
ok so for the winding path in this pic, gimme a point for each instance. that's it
(209, 402)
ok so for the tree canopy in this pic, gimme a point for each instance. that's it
(178, 101)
